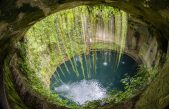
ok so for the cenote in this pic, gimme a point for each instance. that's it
(92, 76)
(86, 57)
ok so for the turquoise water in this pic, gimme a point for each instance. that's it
(99, 72)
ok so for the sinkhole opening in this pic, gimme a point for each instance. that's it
(92, 76)
(77, 56)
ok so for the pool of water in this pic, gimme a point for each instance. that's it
(90, 77)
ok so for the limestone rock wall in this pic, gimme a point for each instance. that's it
(141, 41)
(16, 16)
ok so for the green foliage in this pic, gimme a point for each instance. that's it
(12, 95)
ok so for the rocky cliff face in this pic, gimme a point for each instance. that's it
(16, 17)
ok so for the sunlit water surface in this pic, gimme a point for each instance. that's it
(80, 92)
